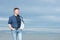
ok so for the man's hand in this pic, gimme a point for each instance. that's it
(20, 29)
(13, 29)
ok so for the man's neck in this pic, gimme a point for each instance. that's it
(15, 14)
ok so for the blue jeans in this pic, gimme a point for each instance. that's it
(16, 34)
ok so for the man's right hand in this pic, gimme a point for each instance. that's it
(13, 29)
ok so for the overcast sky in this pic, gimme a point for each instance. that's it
(36, 13)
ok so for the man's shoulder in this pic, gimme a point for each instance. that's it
(11, 16)
(21, 16)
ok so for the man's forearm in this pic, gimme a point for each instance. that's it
(11, 27)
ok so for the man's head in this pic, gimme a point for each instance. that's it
(16, 11)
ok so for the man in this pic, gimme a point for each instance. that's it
(16, 25)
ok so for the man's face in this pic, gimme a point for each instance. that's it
(17, 11)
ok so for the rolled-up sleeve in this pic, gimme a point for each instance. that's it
(10, 20)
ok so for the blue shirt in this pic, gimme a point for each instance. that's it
(12, 20)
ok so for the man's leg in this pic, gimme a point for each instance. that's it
(20, 35)
(14, 34)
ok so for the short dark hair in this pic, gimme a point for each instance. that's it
(16, 8)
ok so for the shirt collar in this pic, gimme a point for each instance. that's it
(17, 15)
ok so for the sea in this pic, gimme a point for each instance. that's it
(30, 35)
